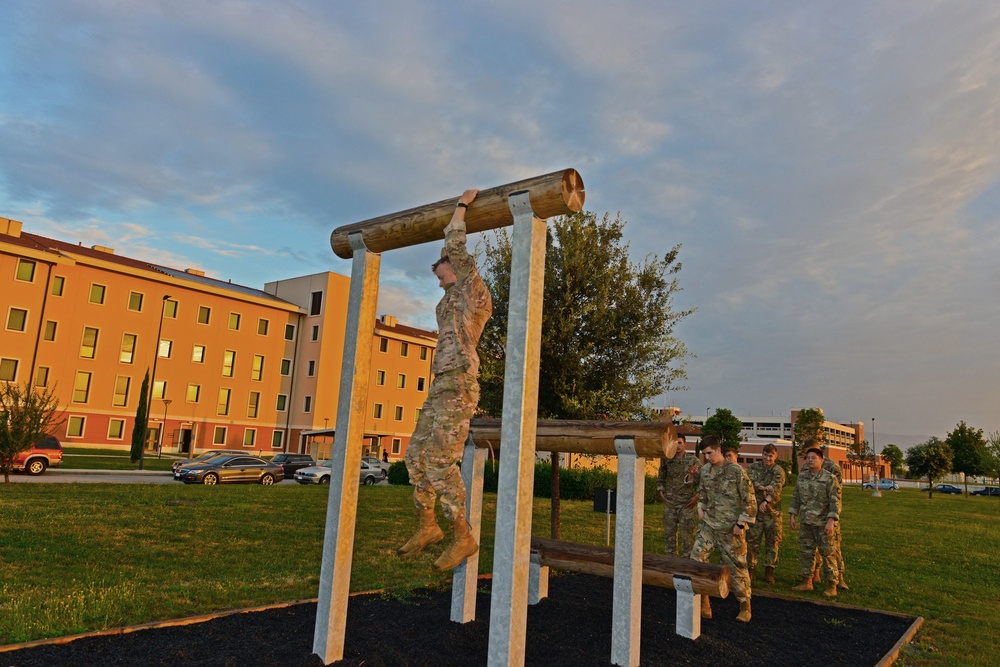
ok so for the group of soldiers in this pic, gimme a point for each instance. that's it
(738, 511)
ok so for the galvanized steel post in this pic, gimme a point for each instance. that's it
(627, 601)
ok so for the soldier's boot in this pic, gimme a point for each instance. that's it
(744, 615)
(817, 576)
(428, 533)
(461, 547)
(841, 584)
(768, 574)
(806, 585)
(831, 590)
(706, 607)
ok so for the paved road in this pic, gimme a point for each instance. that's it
(63, 476)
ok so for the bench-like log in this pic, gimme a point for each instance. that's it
(558, 193)
(706, 578)
(653, 439)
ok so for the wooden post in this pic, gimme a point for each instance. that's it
(558, 193)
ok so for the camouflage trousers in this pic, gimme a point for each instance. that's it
(679, 522)
(813, 539)
(766, 528)
(732, 552)
(435, 451)
(838, 556)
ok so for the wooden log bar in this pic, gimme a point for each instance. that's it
(706, 578)
(653, 439)
(558, 193)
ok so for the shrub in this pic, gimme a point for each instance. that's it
(398, 474)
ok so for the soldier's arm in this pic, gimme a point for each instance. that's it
(661, 477)
(777, 484)
(748, 500)
(455, 239)
(834, 497)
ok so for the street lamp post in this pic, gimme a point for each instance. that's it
(163, 429)
(876, 492)
(152, 381)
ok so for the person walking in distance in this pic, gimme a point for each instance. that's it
(814, 510)
(677, 483)
(768, 479)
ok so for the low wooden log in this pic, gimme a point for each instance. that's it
(558, 193)
(706, 578)
(653, 439)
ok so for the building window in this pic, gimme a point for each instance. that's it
(286, 366)
(315, 303)
(277, 439)
(50, 331)
(383, 344)
(377, 414)
(116, 429)
(135, 301)
(262, 326)
(8, 370)
(88, 346)
(380, 378)
(97, 293)
(254, 404)
(423, 353)
(404, 349)
(198, 354)
(401, 381)
(311, 368)
(420, 383)
(128, 349)
(249, 437)
(75, 427)
(307, 404)
(81, 388)
(26, 270)
(281, 403)
(17, 319)
(160, 389)
(398, 415)
(42, 376)
(58, 285)
(122, 383)
(228, 361)
(234, 321)
(219, 437)
(170, 309)
(223, 407)
(396, 445)
(193, 393)
(416, 415)
(315, 332)
(257, 372)
(166, 347)
(289, 332)
(204, 314)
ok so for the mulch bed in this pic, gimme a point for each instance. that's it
(572, 627)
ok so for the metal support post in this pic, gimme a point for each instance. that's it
(512, 544)
(627, 601)
(538, 581)
(688, 622)
(464, 578)
(342, 505)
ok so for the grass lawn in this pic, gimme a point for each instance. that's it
(80, 557)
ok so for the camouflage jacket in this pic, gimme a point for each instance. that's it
(833, 468)
(678, 478)
(725, 496)
(462, 311)
(767, 484)
(816, 497)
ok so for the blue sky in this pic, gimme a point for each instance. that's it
(830, 168)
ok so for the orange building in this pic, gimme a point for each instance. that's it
(231, 366)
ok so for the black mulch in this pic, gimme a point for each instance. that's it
(572, 627)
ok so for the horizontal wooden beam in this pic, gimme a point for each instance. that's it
(706, 578)
(558, 193)
(653, 439)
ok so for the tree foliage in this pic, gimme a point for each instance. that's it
(141, 420)
(931, 460)
(893, 455)
(861, 454)
(969, 447)
(993, 454)
(27, 414)
(724, 427)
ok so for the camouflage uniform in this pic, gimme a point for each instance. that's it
(678, 482)
(725, 498)
(435, 449)
(767, 484)
(816, 499)
(834, 469)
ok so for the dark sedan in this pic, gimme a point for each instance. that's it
(988, 491)
(944, 488)
(238, 469)
(290, 463)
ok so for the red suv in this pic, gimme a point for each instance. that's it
(44, 453)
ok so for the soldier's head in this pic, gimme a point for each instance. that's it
(811, 442)
(681, 449)
(730, 455)
(769, 454)
(444, 271)
(712, 450)
(814, 458)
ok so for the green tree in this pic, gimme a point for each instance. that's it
(808, 425)
(725, 427)
(893, 455)
(931, 461)
(608, 344)
(861, 454)
(27, 414)
(141, 421)
(969, 448)
(993, 454)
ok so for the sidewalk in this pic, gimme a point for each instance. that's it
(80, 471)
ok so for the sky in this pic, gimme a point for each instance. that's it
(830, 169)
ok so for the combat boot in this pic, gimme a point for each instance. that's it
(461, 547)
(806, 585)
(831, 590)
(817, 576)
(744, 615)
(428, 533)
(706, 607)
(768, 575)
(842, 585)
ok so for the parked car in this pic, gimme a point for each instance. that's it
(883, 485)
(291, 462)
(320, 474)
(201, 458)
(988, 491)
(944, 488)
(45, 453)
(374, 462)
(231, 469)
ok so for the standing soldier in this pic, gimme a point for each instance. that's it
(434, 452)
(768, 478)
(678, 486)
(816, 503)
(726, 505)
(834, 469)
